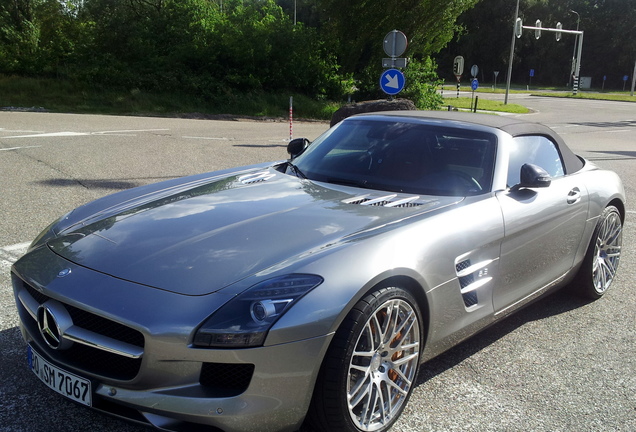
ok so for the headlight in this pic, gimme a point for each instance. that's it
(245, 320)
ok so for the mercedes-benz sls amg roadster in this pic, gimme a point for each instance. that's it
(312, 289)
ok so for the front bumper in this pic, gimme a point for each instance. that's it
(172, 385)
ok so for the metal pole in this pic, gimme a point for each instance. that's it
(512, 52)
(633, 79)
(577, 77)
(295, 12)
(576, 40)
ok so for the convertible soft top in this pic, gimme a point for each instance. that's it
(511, 125)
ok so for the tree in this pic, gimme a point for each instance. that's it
(609, 46)
(19, 35)
(356, 28)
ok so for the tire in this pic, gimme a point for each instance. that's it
(372, 362)
(602, 257)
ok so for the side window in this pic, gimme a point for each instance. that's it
(537, 150)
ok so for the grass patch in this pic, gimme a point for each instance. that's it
(66, 96)
(485, 105)
(619, 97)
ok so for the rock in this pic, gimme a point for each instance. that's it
(371, 106)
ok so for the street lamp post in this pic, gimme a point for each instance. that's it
(512, 53)
(576, 42)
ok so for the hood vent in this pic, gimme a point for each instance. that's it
(258, 177)
(386, 201)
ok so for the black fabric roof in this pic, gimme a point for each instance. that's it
(511, 125)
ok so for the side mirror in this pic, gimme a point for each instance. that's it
(297, 146)
(532, 176)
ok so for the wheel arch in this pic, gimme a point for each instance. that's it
(620, 206)
(416, 290)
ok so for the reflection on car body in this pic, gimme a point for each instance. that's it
(311, 290)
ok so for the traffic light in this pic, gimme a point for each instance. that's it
(518, 27)
(537, 32)
(559, 26)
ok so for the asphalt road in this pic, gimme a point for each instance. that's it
(561, 364)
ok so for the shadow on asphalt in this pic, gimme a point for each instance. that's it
(550, 305)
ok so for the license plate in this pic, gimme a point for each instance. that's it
(61, 381)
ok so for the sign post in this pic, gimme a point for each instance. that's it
(531, 75)
(474, 84)
(392, 80)
(474, 70)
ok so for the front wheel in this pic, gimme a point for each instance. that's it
(370, 368)
(603, 255)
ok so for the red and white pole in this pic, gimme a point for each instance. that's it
(291, 117)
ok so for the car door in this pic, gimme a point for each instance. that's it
(542, 226)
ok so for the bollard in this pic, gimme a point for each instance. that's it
(476, 100)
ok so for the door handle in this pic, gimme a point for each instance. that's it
(574, 196)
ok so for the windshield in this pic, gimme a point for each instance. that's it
(402, 156)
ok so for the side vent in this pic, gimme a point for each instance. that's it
(471, 277)
(258, 177)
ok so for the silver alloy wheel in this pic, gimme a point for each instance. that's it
(383, 365)
(607, 252)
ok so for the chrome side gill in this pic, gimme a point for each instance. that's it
(83, 336)
(471, 277)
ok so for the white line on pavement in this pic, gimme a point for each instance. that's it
(10, 254)
(18, 148)
(207, 138)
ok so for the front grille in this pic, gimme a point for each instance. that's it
(230, 379)
(105, 327)
(90, 359)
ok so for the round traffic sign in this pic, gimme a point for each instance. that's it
(474, 84)
(395, 43)
(392, 81)
(474, 70)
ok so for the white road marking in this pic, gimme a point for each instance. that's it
(18, 148)
(207, 138)
(51, 134)
(71, 134)
(10, 254)
(127, 131)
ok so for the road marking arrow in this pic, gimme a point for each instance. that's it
(392, 81)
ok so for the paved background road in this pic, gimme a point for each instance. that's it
(561, 364)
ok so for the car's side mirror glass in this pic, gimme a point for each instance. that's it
(297, 146)
(532, 176)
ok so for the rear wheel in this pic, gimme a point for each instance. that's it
(603, 255)
(371, 366)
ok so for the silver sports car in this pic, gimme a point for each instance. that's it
(311, 290)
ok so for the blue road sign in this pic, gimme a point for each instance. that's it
(531, 72)
(392, 81)
(625, 78)
(474, 84)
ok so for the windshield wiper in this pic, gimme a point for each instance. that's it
(296, 170)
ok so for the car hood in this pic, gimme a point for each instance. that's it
(199, 240)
